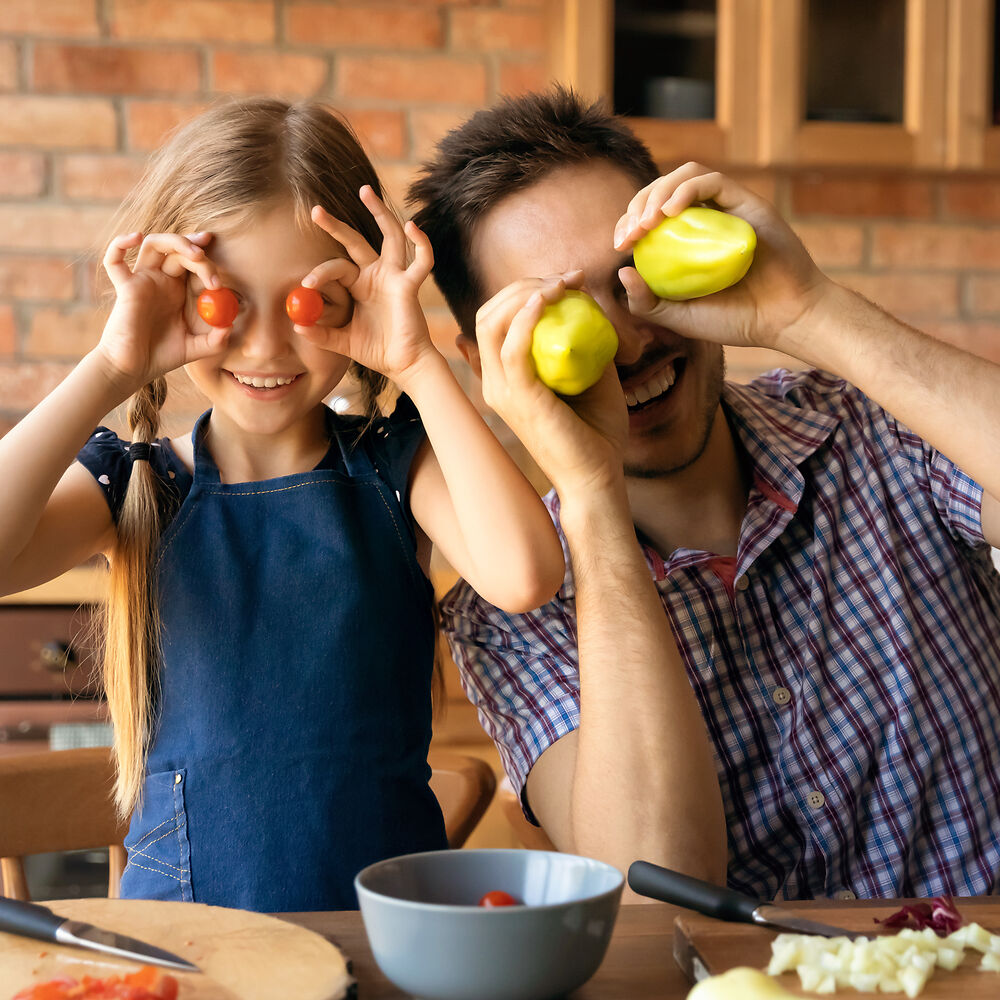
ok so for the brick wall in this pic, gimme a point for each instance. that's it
(89, 87)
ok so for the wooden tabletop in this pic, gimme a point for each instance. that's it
(639, 963)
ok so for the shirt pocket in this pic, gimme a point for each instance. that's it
(159, 855)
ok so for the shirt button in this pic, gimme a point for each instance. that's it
(845, 894)
(743, 582)
(781, 696)
(816, 799)
(177, 779)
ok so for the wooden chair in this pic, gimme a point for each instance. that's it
(464, 787)
(60, 800)
(530, 836)
(57, 800)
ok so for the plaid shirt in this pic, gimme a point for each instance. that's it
(847, 661)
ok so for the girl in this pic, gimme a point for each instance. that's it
(270, 636)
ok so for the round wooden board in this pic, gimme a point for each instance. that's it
(242, 955)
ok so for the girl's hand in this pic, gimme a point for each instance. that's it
(148, 333)
(386, 331)
(781, 287)
(579, 442)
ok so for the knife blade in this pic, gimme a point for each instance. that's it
(711, 900)
(37, 921)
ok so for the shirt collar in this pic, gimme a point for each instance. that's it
(776, 435)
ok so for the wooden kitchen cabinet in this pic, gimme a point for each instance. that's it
(902, 83)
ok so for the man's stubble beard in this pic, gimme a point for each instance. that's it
(648, 470)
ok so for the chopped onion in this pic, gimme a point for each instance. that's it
(889, 963)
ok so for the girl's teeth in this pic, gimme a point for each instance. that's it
(259, 382)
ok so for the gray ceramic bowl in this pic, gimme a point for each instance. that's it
(432, 940)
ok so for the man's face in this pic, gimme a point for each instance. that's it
(565, 221)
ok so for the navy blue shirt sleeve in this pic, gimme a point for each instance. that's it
(105, 456)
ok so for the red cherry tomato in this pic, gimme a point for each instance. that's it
(304, 306)
(218, 306)
(497, 897)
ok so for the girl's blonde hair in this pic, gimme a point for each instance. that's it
(221, 170)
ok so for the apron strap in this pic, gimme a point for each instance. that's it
(205, 469)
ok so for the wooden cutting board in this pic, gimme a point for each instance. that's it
(704, 946)
(243, 955)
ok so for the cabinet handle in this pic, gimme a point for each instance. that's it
(58, 656)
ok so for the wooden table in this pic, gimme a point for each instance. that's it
(639, 963)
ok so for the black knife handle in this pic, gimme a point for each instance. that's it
(29, 919)
(682, 890)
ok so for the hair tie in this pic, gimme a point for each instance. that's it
(139, 451)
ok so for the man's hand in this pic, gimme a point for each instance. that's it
(782, 286)
(577, 443)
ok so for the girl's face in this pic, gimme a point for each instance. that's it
(268, 380)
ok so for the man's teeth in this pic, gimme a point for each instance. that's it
(656, 386)
(260, 382)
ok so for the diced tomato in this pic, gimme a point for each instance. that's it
(146, 984)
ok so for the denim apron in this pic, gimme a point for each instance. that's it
(294, 705)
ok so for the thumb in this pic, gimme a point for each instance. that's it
(643, 302)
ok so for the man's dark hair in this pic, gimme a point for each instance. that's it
(499, 151)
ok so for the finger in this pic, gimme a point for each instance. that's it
(423, 253)
(354, 244)
(177, 265)
(337, 270)
(157, 247)
(515, 352)
(206, 344)
(393, 241)
(648, 207)
(641, 299)
(714, 187)
(114, 258)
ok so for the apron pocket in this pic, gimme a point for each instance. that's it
(159, 855)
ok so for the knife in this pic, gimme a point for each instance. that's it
(715, 901)
(36, 921)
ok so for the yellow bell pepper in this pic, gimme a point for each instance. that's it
(740, 983)
(572, 343)
(695, 253)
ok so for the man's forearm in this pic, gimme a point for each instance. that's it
(645, 783)
(947, 396)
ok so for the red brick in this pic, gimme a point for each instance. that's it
(935, 246)
(745, 363)
(86, 177)
(411, 79)
(367, 25)
(36, 277)
(8, 66)
(57, 122)
(976, 337)
(832, 244)
(984, 294)
(891, 195)
(51, 227)
(63, 333)
(23, 385)
(268, 72)
(8, 332)
(429, 126)
(498, 30)
(21, 174)
(908, 294)
(522, 77)
(51, 17)
(148, 122)
(761, 182)
(194, 20)
(972, 198)
(383, 133)
(109, 69)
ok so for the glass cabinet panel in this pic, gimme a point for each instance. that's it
(855, 58)
(664, 58)
(996, 63)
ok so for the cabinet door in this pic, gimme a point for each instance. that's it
(853, 82)
(685, 72)
(973, 106)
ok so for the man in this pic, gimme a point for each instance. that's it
(775, 658)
